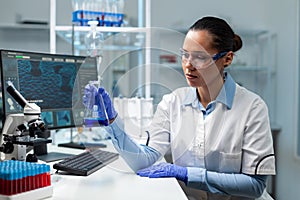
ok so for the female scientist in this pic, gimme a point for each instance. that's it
(218, 132)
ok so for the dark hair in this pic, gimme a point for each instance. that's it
(224, 37)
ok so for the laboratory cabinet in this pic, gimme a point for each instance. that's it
(254, 66)
(125, 63)
(125, 54)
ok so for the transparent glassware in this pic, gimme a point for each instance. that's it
(95, 112)
(94, 40)
(94, 45)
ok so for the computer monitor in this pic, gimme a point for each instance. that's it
(54, 82)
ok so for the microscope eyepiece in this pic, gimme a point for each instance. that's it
(16, 95)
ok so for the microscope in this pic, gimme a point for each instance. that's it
(23, 132)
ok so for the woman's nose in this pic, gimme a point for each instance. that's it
(188, 64)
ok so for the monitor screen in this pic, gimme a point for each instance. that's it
(54, 82)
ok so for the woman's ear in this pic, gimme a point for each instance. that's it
(228, 58)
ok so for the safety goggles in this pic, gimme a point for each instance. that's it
(199, 59)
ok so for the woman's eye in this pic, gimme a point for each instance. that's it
(201, 57)
(186, 55)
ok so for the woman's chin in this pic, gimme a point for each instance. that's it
(193, 83)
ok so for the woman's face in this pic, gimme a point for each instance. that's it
(197, 63)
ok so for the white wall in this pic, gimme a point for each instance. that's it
(281, 17)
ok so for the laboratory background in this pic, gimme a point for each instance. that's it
(268, 63)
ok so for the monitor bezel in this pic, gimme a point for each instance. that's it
(2, 90)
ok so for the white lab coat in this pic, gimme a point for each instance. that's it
(229, 140)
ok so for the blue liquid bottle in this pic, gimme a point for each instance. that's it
(95, 113)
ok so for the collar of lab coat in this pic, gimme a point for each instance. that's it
(225, 95)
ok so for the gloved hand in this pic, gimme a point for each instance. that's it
(111, 112)
(164, 170)
(91, 98)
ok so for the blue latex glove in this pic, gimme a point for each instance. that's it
(111, 112)
(164, 170)
(92, 96)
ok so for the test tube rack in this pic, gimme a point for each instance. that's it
(82, 17)
(24, 180)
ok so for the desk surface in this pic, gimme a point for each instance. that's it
(115, 181)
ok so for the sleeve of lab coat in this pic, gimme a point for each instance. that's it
(137, 156)
(258, 153)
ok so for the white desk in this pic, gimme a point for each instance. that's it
(115, 181)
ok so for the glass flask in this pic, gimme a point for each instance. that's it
(94, 40)
(95, 112)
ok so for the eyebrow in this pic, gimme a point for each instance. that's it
(199, 52)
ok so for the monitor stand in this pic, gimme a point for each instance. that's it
(84, 145)
(81, 145)
(54, 156)
(41, 152)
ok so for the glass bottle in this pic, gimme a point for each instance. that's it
(97, 115)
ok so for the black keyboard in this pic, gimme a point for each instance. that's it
(87, 162)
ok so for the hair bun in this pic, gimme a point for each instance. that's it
(237, 43)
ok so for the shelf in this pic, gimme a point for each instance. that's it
(24, 26)
(176, 66)
(78, 33)
(241, 32)
(101, 28)
(251, 33)
(248, 68)
(119, 70)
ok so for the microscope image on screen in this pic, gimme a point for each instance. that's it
(47, 117)
(51, 78)
(63, 118)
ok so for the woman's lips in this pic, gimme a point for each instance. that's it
(190, 76)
